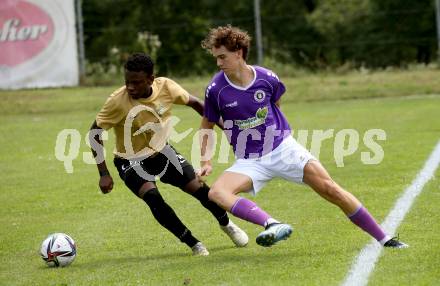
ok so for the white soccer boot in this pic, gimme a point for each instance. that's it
(199, 250)
(274, 232)
(236, 234)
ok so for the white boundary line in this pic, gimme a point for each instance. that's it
(367, 258)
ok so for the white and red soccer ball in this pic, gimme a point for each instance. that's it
(58, 250)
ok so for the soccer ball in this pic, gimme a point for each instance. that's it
(58, 249)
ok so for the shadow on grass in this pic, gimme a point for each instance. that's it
(220, 254)
(145, 258)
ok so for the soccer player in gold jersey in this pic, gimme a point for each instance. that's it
(139, 113)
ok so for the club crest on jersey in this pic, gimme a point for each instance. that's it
(259, 96)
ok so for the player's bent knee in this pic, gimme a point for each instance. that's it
(214, 194)
(153, 198)
(144, 188)
(193, 186)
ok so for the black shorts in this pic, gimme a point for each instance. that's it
(171, 167)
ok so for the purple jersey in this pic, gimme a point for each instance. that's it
(253, 123)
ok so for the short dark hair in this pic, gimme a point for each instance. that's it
(232, 38)
(140, 62)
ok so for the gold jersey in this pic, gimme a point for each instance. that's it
(141, 126)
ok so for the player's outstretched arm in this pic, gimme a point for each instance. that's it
(198, 106)
(97, 146)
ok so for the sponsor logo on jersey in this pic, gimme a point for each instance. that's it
(257, 120)
(232, 104)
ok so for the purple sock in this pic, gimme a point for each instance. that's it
(363, 219)
(248, 210)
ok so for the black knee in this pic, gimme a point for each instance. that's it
(161, 211)
(202, 193)
(152, 197)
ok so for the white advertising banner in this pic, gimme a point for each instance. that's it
(37, 44)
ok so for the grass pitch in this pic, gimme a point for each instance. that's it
(120, 243)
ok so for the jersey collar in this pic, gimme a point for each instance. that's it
(241, 87)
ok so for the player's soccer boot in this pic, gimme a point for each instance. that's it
(199, 250)
(274, 232)
(395, 243)
(236, 234)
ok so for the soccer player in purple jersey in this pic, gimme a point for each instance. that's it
(247, 98)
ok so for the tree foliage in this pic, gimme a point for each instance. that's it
(311, 33)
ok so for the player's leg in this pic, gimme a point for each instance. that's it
(162, 212)
(184, 178)
(187, 181)
(200, 191)
(225, 192)
(319, 180)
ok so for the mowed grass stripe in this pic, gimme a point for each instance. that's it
(366, 260)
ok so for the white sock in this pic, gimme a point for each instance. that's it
(385, 239)
(269, 221)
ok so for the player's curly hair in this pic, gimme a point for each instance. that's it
(140, 62)
(232, 38)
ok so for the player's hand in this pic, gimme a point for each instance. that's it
(199, 178)
(205, 170)
(106, 184)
